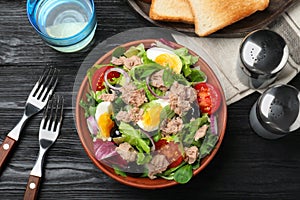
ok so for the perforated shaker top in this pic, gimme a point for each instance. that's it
(279, 109)
(263, 52)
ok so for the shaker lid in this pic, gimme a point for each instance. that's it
(264, 52)
(279, 109)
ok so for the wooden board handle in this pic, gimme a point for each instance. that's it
(32, 188)
(5, 149)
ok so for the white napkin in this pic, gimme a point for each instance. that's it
(222, 54)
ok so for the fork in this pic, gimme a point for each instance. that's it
(48, 133)
(36, 101)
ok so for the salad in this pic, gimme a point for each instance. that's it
(151, 113)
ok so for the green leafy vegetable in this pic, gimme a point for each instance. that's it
(183, 174)
(190, 129)
(118, 104)
(197, 76)
(89, 105)
(187, 60)
(149, 95)
(209, 142)
(143, 158)
(166, 113)
(141, 72)
(119, 171)
(133, 137)
(119, 51)
(169, 77)
(135, 51)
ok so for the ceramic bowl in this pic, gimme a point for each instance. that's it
(138, 182)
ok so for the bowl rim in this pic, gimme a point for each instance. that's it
(130, 181)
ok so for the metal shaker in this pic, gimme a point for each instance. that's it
(276, 112)
(262, 55)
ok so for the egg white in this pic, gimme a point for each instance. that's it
(141, 123)
(153, 52)
(103, 107)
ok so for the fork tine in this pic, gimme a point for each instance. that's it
(52, 83)
(53, 114)
(45, 116)
(56, 98)
(38, 83)
(53, 76)
(61, 113)
(49, 113)
(56, 122)
(44, 84)
(43, 80)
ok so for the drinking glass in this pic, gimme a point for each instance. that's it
(65, 25)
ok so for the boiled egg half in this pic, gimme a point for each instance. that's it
(151, 117)
(165, 58)
(103, 114)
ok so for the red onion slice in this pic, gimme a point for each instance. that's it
(151, 91)
(213, 125)
(92, 125)
(121, 71)
(150, 138)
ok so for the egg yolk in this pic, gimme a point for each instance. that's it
(170, 60)
(105, 124)
(151, 117)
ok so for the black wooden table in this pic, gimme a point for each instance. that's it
(246, 166)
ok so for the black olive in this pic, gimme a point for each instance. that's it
(114, 132)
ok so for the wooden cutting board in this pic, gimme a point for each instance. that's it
(238, 29)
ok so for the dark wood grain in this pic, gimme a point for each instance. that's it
(245, 167)
(257, 20)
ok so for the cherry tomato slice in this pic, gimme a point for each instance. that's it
(171, 151)
(209, 97)
(98, 78)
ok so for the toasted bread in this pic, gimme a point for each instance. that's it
(171, 10)
(213, 15)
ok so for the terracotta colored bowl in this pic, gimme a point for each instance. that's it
(146, 183)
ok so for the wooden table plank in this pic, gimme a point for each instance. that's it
(246, 166)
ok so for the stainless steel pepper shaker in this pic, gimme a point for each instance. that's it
(276, 113)
(262, 55)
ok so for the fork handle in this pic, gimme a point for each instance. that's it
(32, 187)
(5, 149)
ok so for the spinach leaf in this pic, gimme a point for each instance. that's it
(168, 77)
(118, 104)
(197, 76)
(183, 174)
(209, 142)
(119, 51)
(133, 137)
(143, 71)
(166, 113)
(190, 129)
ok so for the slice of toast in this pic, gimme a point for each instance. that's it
(171, 10)
(213, 15)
